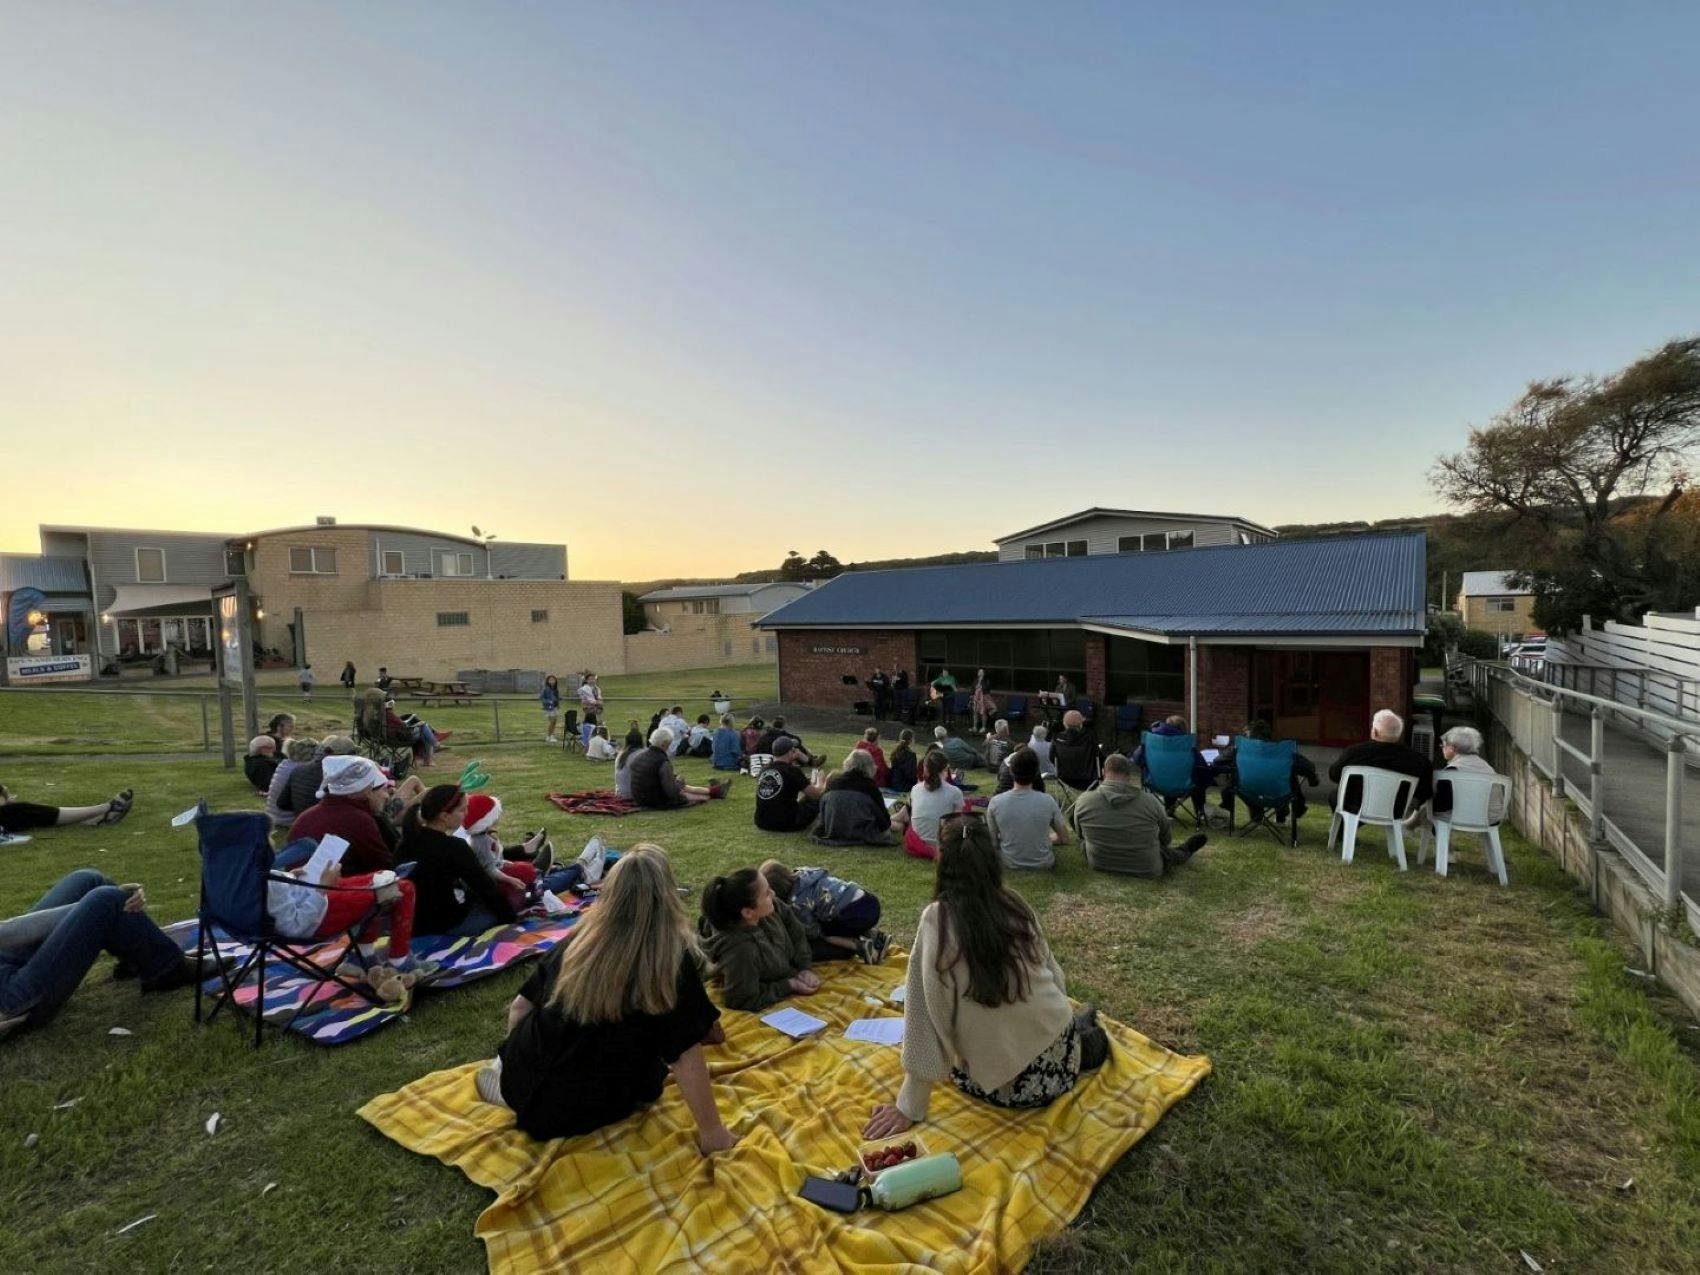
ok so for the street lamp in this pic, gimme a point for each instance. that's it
(486, 539)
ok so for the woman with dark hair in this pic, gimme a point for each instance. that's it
(280, 728)
(757, 946)
(550, 699)
(901, 772)
(454, 894)
(986, 1004)
(630, 747)
(931, 801)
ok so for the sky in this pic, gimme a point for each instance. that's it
(688, 285)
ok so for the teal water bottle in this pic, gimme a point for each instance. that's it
(925, 1179)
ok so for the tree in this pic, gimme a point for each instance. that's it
(823, 566)
(1585, 474)
(631, 613)
(795, 566)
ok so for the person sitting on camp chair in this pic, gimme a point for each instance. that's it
(1304, 775)
(299, 911)
(1202, 775)
(1074, 754)
(1124, 828)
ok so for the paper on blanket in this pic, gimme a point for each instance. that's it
(880, 1031)
(552, 904)
(900, 995)
(794, 1022)
(330, 850)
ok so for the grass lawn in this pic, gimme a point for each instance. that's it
(1410, 1073)
(166, 715)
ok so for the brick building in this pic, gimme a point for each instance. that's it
(1314, 635)
(1487, 601)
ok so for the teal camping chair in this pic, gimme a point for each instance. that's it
(1263, 779)
(1168, 764)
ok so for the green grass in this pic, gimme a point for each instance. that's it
(1410, 1073)
(167, 716)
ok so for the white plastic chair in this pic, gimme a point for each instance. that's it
(1472, 809)
(755, 763)
(1383, 792)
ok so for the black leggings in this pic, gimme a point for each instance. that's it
(18, 816)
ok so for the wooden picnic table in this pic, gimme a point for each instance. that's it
(452, 692)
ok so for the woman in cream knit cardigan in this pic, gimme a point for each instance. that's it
(986, 1006)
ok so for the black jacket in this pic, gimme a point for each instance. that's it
(1395, 757)
(443, 863)
(654, 785)
(1076, 756)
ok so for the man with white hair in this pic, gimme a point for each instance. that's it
(959, 752)
(654, 784)
(1384, 751)
(998, 744)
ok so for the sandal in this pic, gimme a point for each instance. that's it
(117, 808)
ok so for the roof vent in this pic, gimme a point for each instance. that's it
(324, 520)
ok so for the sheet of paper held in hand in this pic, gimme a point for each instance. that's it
(330, 850)
(881, 1031)
(794, 1022)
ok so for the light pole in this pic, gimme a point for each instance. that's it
(489, 573)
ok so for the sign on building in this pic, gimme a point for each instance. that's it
(828, 648)
(28, 669)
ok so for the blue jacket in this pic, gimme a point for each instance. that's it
(550, 698)
(728, 748)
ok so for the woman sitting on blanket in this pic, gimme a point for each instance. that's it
(609, 1012)
(631, 747)
(901, 773)
(600, 747)
(754, 941)
(986, 1005)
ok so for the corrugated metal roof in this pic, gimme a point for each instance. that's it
(39, 571)
(683, 591)
(1346, 585)
(1100, 511)
(1484, 583)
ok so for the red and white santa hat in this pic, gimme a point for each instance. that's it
(483, 812)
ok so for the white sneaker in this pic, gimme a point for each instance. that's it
(591, 860)
(549, 739)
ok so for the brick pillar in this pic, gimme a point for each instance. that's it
(1096, 686)
(1391, 677)
(1224, 701)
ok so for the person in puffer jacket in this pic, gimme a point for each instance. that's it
(756, 946)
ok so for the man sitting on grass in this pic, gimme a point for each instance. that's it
(654, 784)
(1025, 823)
(958, 752)
(45, 953)
(1124, 828)
(786, 800)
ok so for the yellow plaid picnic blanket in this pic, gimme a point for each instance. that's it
(638, 1196)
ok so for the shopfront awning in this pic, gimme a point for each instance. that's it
(162, 599)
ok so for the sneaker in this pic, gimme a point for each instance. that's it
(10, 1025)
(593, 859)
(543, 860)
(717, 791)
(444, 735)
(872, 947)
(550, 739)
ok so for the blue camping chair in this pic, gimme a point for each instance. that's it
(1127, 720)
(1086, 708)
(960, 702)
(1015, 710)
(1168, 766)
(1263, 779)
(236, 863)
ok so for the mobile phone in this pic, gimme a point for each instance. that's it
(840, 1197)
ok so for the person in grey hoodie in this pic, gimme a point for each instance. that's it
(1123, 828)
(754, 942)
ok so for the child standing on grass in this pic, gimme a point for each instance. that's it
(754, 941)
(550, 698)
(839, 916)
(306, 679)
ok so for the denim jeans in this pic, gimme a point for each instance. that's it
(40, 979)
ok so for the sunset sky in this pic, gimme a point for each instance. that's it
(689, 285)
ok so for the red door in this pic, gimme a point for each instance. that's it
(1315, 697)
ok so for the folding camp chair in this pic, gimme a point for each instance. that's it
(1127, 721)
(236, 864)
(571, 740)
(1168, 765)
(1472, 805)
(1263, 779)
(1383, 802)
(395, 758)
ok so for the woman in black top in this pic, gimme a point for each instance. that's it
(21, 816)
(595, 1030)
(453, 894)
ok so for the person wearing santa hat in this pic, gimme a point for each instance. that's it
(516, 877)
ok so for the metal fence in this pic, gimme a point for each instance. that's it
(1603, 755)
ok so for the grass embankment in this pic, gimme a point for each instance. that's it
(1410, 1073)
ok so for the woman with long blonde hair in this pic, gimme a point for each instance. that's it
(599, 1024)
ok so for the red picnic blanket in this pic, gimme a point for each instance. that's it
(600, 801)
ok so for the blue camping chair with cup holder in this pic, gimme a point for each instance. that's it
(1263, 779)
(1169, 762)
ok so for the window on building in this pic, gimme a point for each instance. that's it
(1154, 541)
(539, 617)
(1077, 548)
(150, 566)
(1056, 549)
(705, 606)
(1180, 540)
(1035, 551)
(453, 619)
(235, 563)
(395, 562)
(1501, 606)
(726, 650)
(310, 560)
(1025, 660)
(1129, 544)
(755, 646)
(454, 563)
(1143, 671)
(772, 645)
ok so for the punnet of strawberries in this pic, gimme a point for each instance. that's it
(886, 1157)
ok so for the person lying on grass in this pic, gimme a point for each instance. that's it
(609, 1013)
(839, 916)
(986, 1005)
(756, 945)
(22, 816)
(45, 953)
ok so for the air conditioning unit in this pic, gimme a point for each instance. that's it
(324, 521)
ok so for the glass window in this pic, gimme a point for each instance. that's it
(1129, 544)
(1035, 551)
(1077, 548)
(305, 560)
(453, 619)
(1155, 541)
(395, 562)
(540, 617)
(150, 566)
(1180, 540)
(1055, 549)
(235, 563)
(1502, 606)
(455, 563)
(1142, 671)
(300, 558)
(1023, 660)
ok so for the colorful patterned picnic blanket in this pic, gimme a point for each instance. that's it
(639, 1197)
(339, 1016)
(600, 801)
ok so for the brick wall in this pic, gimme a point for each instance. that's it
(1095, 684)
(1224, 689)
(279, 590)
(699, 641)
(814, 678)
(1392, 674)
(1521, 620)
(400, 630)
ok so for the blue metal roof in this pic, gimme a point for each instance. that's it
(39, 571)
(1347, 586)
